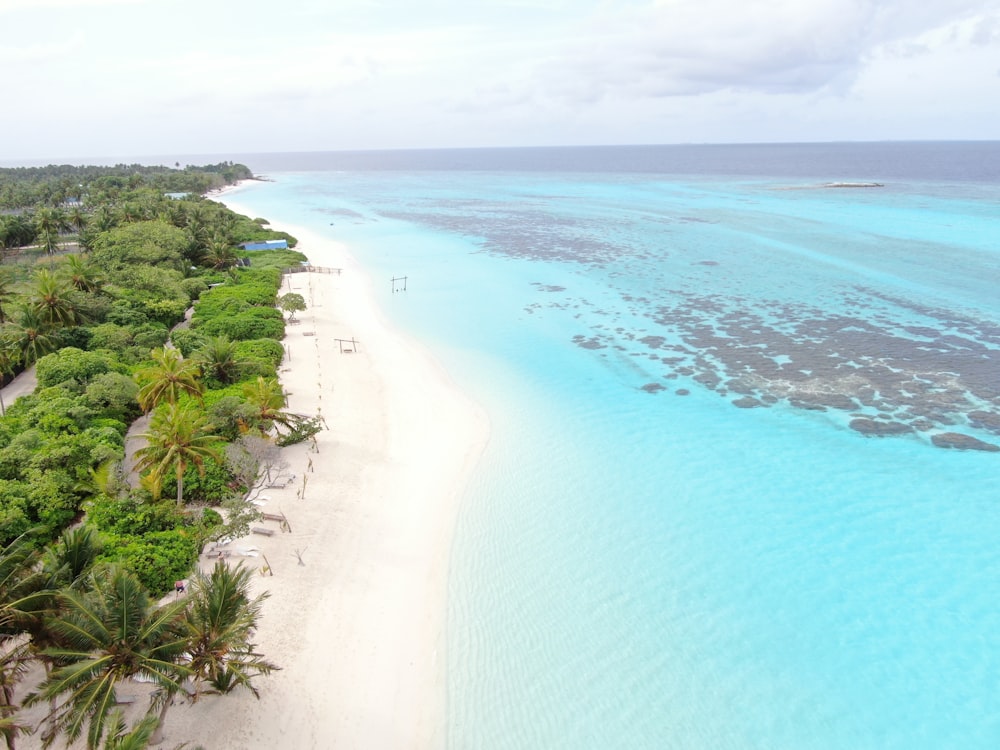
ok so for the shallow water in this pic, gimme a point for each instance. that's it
(639, 562)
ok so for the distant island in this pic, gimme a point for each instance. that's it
(853, 185)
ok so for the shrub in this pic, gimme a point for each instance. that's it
(255, 323)
(194, 286)
(228, 413)
(151, 335)
(140, 243)
(14, 513)
(187, 340)
(125, 314)
(113, 395)
(73, 364)
(267, 351)
(213, 487)
(51, 497)
(59, 412)
(157, 559)
(132, 516)
(111, 337)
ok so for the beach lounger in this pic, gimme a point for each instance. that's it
(262, 531)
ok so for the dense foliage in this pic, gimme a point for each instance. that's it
(100, 267)
(55, 185)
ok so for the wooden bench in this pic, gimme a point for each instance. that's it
(262, 531)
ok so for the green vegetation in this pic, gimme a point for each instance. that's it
(100, 266)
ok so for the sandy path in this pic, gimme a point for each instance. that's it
(24, 383)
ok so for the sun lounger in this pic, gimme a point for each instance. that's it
(262, 531)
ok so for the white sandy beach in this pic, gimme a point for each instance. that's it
(359, 629)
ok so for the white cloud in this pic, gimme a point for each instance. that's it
(389, 73)
(694, 47)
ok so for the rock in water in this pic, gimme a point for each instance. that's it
(879, 429)
(963, 442)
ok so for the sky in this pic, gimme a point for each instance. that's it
(110, 78)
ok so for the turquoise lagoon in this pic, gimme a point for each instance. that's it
(683, 533)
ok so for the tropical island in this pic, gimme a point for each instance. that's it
(132, 303)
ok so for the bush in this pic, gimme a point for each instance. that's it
(187, 341)
(157, 559)
(213, 487)
(151, 336)
(255, 323)
(156, 292)
(53, 503)
(125, 314)
(267, 351)
(58, 412)
(73, 364)
(194, 286)
(110, 337)
(113, 395)
(153, 243)
(228, 413)
(14, 513)
(133, 516)
(234, 298)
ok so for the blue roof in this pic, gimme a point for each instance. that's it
(265, 245)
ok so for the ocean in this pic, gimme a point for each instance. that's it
(742, 484)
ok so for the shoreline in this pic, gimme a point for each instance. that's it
(359, 629)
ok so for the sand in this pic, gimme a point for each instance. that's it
(358, 629)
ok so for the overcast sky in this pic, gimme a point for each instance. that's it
(90, 78)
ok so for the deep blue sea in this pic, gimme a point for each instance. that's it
(718, 508)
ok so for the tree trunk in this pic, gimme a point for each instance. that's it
(157, 736)
(180, 484)
(8, 702)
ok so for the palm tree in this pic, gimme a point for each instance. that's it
(6, 292)
(111, 632)
(197, 223)
(29, 336)
(50, 223)
(220, 253)
(67, 562)
(219, 359)
(10, 727)
(219, 622)
(179, 436)
(18, 230)
(103, 219)
(50, 296)
(267, 398)
(22, 594)
(77, 219)
(121, 737)
(167, 379)
(83, 274)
